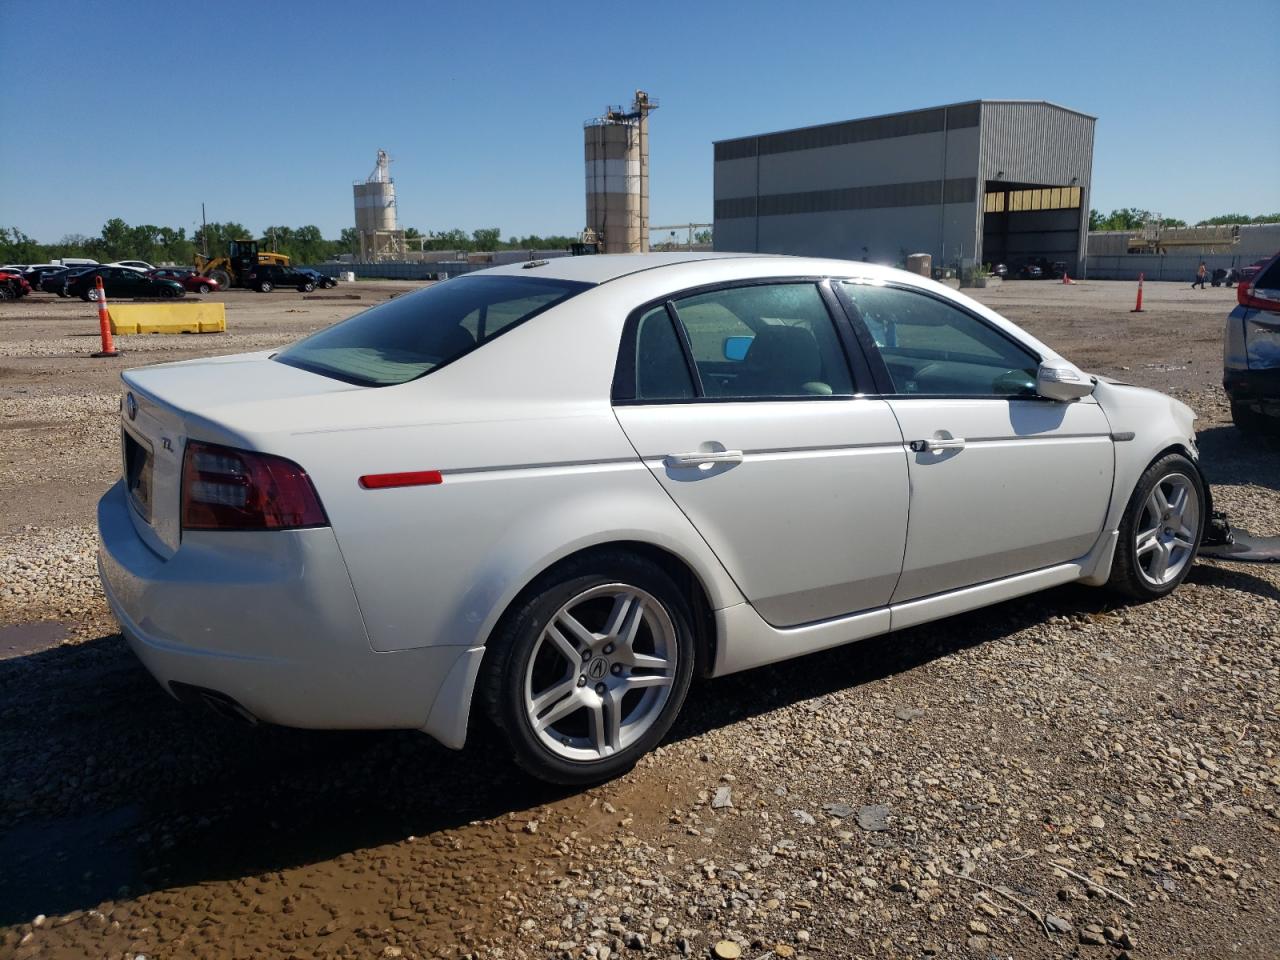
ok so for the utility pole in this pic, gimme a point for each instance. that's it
(204, 231)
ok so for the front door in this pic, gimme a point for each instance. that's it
(742, 404)
(1002, 481)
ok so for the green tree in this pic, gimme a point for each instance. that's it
(17, 247)
(486, 239)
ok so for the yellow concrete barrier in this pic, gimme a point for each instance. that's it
(168, 317)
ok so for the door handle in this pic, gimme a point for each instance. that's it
(700, 457)
(930, 446)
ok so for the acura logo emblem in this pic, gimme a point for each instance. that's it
(131, 406)
(597, 668)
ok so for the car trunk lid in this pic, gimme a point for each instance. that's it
(165, 405)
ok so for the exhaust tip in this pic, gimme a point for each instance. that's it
(224, 706)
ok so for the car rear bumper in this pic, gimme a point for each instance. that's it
(1259, 389)
(270, 621)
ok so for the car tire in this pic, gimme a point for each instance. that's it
(615, 699)
(5, 293)
(264, 287)
(204, 288)
(221, 278)
(306, 287)
(90, 295)
(1161, 530)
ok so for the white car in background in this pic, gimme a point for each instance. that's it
(555, 491)
(140, 265)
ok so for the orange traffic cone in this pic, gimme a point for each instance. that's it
(1138, 306)
(104, 323)
(1066, 277)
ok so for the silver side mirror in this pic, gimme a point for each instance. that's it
(1059, 380)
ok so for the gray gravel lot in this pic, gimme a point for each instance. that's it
(1059, 776)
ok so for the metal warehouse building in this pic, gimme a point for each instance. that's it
(989, 181)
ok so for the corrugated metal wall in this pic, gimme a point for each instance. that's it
(1039, 143)
(1155, 267)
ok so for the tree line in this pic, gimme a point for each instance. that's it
(1132, 218)
(120, 240)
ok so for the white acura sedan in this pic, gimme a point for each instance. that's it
(555, 491)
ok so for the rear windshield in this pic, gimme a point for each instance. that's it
(416, 333)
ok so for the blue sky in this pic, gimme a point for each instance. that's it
(481, 105)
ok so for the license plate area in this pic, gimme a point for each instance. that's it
(138, 473)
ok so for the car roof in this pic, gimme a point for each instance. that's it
(601, 268)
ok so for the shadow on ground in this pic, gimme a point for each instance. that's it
(111, 788)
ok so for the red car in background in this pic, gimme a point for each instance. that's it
(13, 285)
(190, 280)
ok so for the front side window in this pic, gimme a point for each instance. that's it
(935, 349)
(764, 340)
(410, 336)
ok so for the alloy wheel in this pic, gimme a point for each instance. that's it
(1165, 541)
(600, 672)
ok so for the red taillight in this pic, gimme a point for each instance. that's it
(228, 489)
(1247, 296)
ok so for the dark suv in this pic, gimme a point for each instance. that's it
(265, 277)
(1251, 351)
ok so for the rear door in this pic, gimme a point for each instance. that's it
(1003, 481)
(742, 403)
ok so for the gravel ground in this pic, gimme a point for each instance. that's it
(1058, 776)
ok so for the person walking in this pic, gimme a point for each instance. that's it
(1201, 271)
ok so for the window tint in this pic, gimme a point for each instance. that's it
(410, 336)
(935, 349)
(768, 340)
(661, 370)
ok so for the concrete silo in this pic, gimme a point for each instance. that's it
(616, 148)
(375, 199)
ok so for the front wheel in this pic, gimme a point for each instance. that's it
(204, 288)
(306, 287)
(90, 295)
(588, 673)
(1161, 530)
(264, 287)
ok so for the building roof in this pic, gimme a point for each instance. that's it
(904, 113)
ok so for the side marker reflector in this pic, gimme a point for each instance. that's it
(416, 478)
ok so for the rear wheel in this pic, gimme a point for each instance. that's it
(265, 286)
(90, 294)
(1161, 530)
(588, 673)
(221, 277)
(5, 293)
(204, 288)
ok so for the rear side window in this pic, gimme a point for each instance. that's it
(765, 340)
(412, 335)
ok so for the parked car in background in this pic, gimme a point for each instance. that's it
(1251, 351)
(391, 524)
(265, 277)
(1000, 270)
(55, 281)
(133, 265)
(191, 281)
(13, 285)
(121, 282)
(321, 280)
(77, 262)
(1030, 271)
(35, 273)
